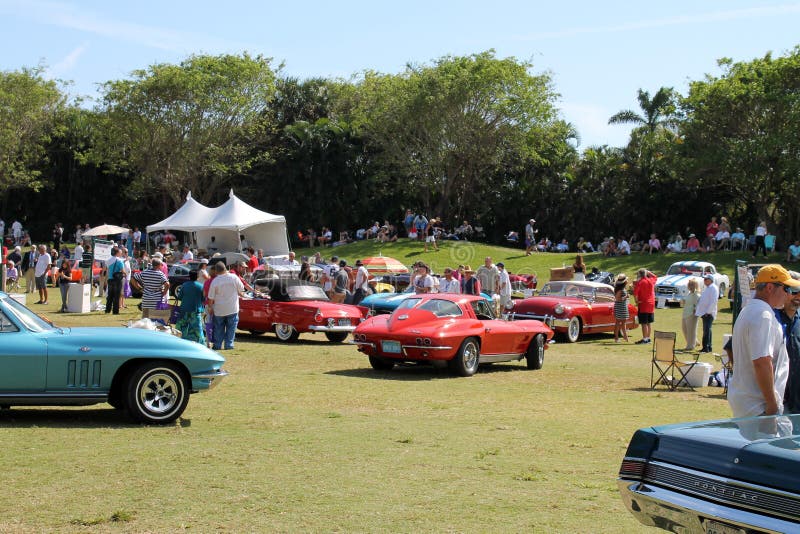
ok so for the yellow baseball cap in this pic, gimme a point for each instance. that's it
(776, 274)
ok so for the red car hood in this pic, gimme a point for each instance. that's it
(546, 304)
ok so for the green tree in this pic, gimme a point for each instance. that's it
(447, 128)
(186, 127)
(741, 139)
(30, 113)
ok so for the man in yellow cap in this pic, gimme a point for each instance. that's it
(761, 361)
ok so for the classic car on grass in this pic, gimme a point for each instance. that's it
(381, 303)
(573, 308)
(291, 307)
(149, 374)
(459, 331)
(673, 286)
(733, 476)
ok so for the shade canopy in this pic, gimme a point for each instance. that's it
(105, 229)
(226, 223)
(380, 265)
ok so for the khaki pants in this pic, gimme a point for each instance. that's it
(30, 282)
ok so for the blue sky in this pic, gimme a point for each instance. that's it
(599, 53)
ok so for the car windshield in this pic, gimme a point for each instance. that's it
(439, 307)
(685, 269)
(567, 289)
(24, 316)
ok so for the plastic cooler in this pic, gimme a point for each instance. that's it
(697, 376)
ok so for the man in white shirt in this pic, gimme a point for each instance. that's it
(423, 283)
(78, 253)
(187, 254)
(16, 229)
(361, 285)
(448, 284)
(487, 274)
(706, 309)
(624, 248)
(503, 286)
(759, 349)
(223, 298)
(40, 273)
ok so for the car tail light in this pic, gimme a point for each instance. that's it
(419, 341)
(632, 469)
(426, 342)
(318, 316)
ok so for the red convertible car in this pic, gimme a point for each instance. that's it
(449, 329)
(291, 307)
(573, 308)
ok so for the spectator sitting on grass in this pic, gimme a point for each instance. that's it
(563, 246)
(653, 245)
(624, 248)
(793, 253)
(693, 244)
(676, 245)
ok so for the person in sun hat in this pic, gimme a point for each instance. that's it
(790, 321)
(761, 360)
(470, 285)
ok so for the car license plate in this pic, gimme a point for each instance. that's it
(715, 527)
(390, 347)
(344, 322)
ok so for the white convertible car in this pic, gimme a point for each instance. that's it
(672, 287)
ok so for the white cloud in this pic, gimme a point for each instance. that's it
(65, 15)
(683, 20)
(70, 60)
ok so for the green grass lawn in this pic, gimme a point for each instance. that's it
(307, 437)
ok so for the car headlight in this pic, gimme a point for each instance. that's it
(559, 309)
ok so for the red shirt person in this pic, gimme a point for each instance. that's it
(644, 291)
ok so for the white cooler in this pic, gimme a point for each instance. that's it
(697, 377)
(79, 298)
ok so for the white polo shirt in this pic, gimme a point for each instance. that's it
(224, 291)
(756, 334)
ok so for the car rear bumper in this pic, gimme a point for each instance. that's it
(206, 381)
(320, 328)
(677, 512)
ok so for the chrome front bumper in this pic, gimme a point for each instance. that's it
(658, 507)
(206, 381)
(320, 328)
(550, 320)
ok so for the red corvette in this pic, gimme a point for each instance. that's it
(573, 308)
(290, 308)
(457, 330)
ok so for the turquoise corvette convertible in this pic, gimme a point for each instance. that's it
(148, 374)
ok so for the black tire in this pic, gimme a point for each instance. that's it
(336, 337)
(574, 328)
(286, 332)
(535, 355)
(380, 364)
(156, 392)
(466, 361)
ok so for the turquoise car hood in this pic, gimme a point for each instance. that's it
(127, 343)
(761, 450)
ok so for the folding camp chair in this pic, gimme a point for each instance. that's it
(670, 370)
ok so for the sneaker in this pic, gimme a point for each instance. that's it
(641, 342)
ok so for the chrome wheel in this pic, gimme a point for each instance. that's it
(286, 332)
(465, 363)
(574, 330)
(156, 392)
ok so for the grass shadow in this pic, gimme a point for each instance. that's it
(414, 372)
(29, 417)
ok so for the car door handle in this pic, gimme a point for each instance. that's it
(488, 330)
(85, 349)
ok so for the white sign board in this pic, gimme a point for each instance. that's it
(102, 250)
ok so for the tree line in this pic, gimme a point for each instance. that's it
(475, 138)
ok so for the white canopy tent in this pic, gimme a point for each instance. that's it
(226, 223)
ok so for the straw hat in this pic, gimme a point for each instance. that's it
(468, 270)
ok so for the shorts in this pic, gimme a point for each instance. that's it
(646, 318)
(430, 239)
(41, 282)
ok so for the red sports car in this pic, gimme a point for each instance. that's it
(290, 307)
(573, 308)
(450, 329)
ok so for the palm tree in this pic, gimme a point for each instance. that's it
(658, 112)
